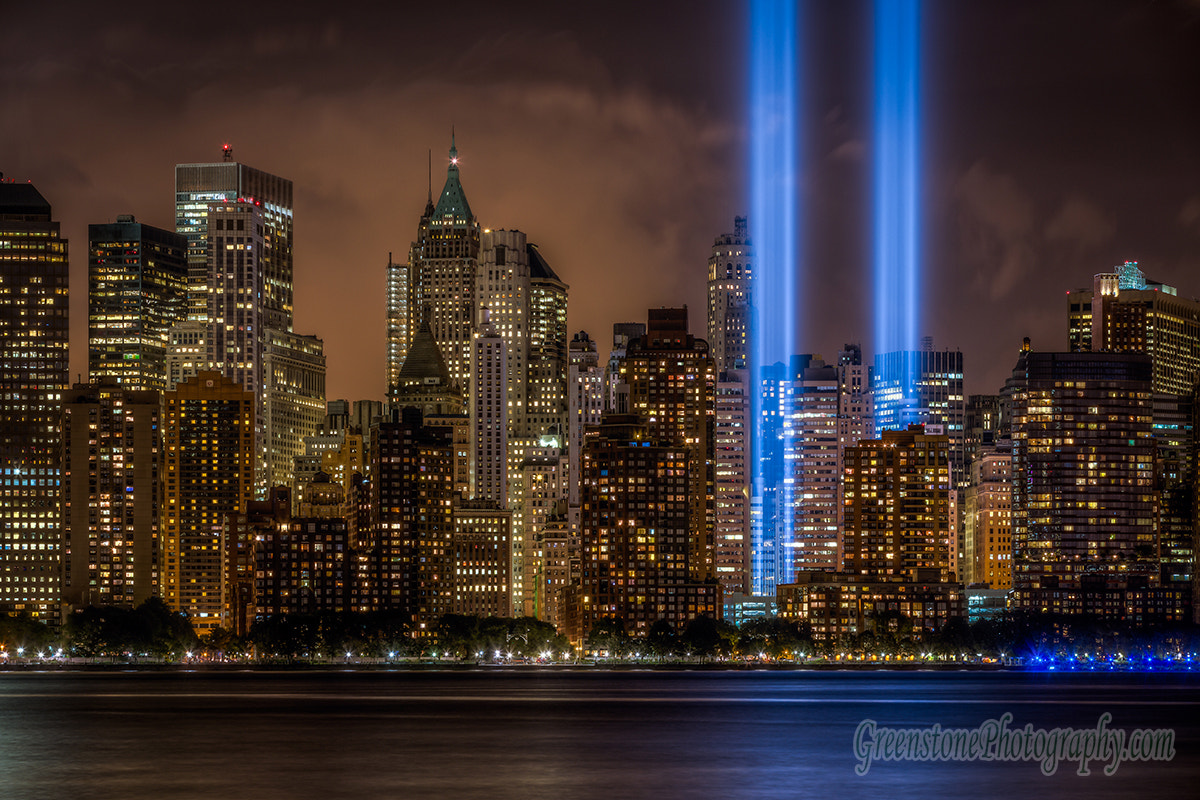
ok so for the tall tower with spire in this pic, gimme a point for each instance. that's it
(442, 270)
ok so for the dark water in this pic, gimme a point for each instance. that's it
(535, 734)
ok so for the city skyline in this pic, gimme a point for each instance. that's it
(1017, 211)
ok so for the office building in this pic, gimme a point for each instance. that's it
(489, 414)
(1124, 312)
(923, 387)
(199, 187)
(33, 350)
(112, 462)
(294, 376)
(137, 290)
(398, 333)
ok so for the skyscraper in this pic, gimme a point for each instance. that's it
(923, 387)
(294, 377)
(813, 468)
(209, 451)
(398, 319)
(987, 517)
(1124, 312)
(443, 269)
(731, 481)
(112, 490)
(1083, 511)
(137, 290)
(200, 186)
(33, 350)
(547, 395)
(671, 382)
(489, 415)
(730, 269)
(585, 406)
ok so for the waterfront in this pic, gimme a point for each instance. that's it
(540, 733)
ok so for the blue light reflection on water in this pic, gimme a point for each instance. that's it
(534, 733)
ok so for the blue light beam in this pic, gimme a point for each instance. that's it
(897, 183)
(774, 231)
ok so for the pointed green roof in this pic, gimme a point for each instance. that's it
(424, 363)
(453, 202)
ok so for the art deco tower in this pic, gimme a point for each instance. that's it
(442, 270)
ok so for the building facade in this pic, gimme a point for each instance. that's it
(137, 290)
(33, 349)
(112, 490)
(198, 187)
(208, 454)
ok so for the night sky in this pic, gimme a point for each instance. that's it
(1063, 137)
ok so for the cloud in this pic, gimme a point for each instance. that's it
(1189, 215)
(1080, 222)
(996, 230)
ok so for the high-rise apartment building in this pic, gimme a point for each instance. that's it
(208, 455)
(813, 468)
(671, 383)
(1084, 506)
(442, 272)
(33, 351)
(897, 515)
(482, 561)
(731, 481)
(410, 547)
(526, 305)
(198, 187)
(987, 518)
(112, 489)
(137, 290)
(637, 540)
(730, 269)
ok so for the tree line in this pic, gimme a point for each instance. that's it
(153, 631)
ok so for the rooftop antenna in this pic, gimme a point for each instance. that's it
(431, 176)
(227, 152)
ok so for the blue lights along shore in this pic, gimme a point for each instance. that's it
(897, 182)
(774, 229)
